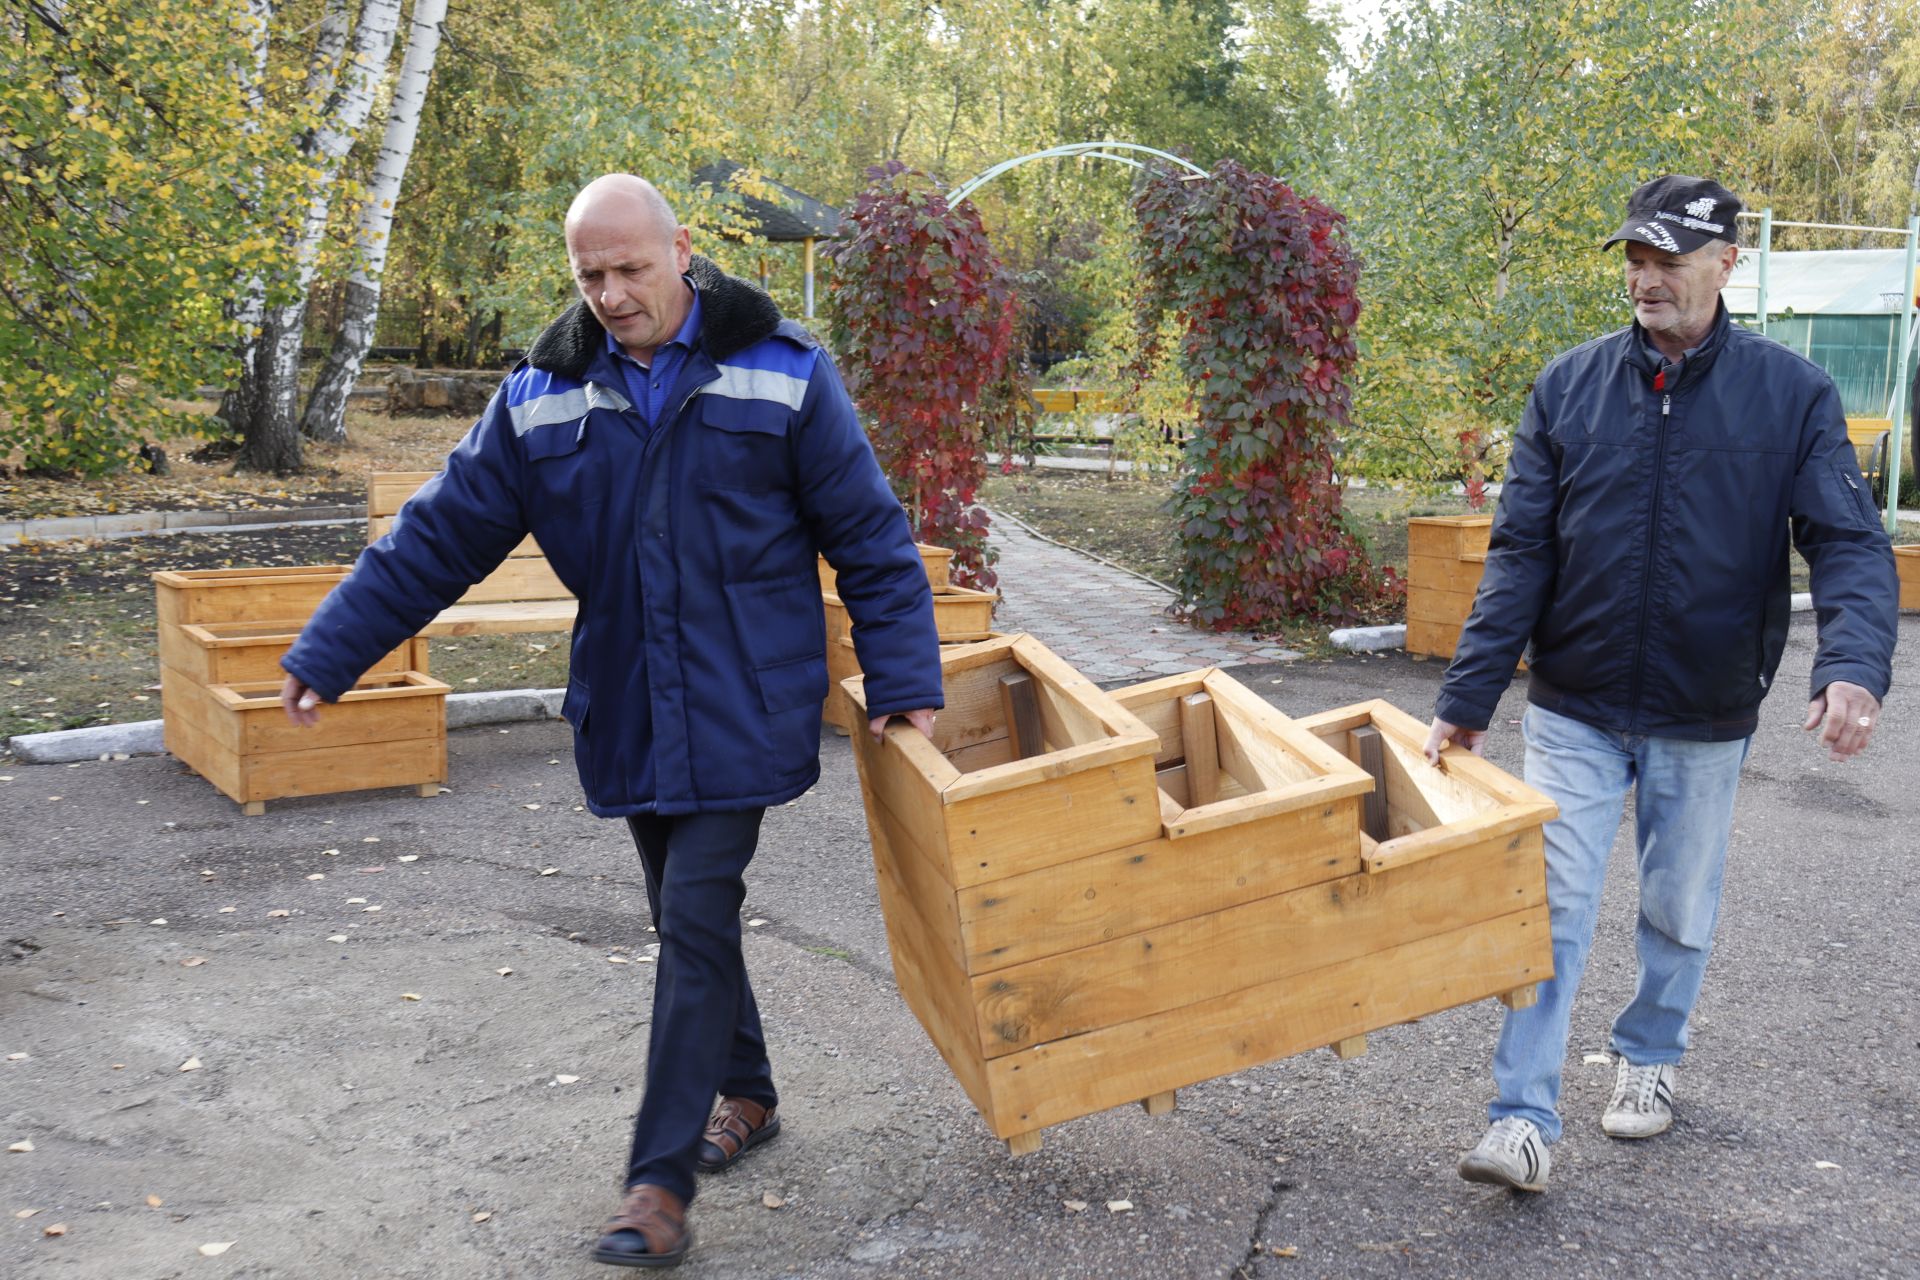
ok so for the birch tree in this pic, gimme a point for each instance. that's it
(271, 430)
(326, 413)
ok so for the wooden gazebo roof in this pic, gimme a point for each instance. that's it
(796, 216)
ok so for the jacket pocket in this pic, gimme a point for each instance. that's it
(1852, 489)
(743, 445)
(778, 620)
(789, 686)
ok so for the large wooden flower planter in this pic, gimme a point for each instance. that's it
(1907, 560)
(387, 731)
(222, 635)
(1445, 558)
(936, 560)
(961, 615)
(1092, 959)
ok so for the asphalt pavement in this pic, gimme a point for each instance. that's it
(291, 1035)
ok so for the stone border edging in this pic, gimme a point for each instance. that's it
(132, 524)
(142, 737)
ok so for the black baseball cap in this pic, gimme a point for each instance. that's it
(1679, 213)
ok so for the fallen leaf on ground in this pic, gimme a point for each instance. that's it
(755, 923)
(1075, 1206)
(317, 876)
(1825, 1164)
(1287, 1251)
(773, 1201)
(409, 857)
(530, 807)
(566, 1079)
(191, 1064)
(154, 1202)
(16, 1057)
(227, 911)
(193, 962)
(279, 913)
(408, 995)
(329, 853)
(616, 959)
(26, 1213)
(372, 908)
(550, 871)
(161, 920)
(482, 1216)
(57, 1229)
(22, 1147)
(369, 839)
(503, 972)
(1119, 1206)
(354, 902)
(338, 937)
(216, 1249)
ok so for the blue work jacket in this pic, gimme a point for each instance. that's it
(698, 661)
(1641, 544)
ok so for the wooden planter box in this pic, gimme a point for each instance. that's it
(1445, 558)
(387, 731)
(961, 615)
(1907, 560)
(237, 652)
(1251, 926)
(242, 595)
(936, 561)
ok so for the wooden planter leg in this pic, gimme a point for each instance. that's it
(1351, 1047)
(429, 789)
(1522, 997)
(1159, 1104)
(253, 808)
(1024, 1144)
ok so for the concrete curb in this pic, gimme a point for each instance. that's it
(133, 524)
(142, 737)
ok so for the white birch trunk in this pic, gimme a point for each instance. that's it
(252, 23)
(273, 442)
(326, 415)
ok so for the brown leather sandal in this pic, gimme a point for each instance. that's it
(649, 1231)
(737, 1127)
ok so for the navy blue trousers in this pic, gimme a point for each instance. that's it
(705, 1038)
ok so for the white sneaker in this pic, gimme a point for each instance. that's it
(1642, 1102)
(1511, 1154)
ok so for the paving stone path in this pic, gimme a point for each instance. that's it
(1108, 623)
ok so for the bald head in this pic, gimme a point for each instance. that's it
(624, 199)
(628, 253)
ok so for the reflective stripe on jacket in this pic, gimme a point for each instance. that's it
(698, 660)
(1641, 543)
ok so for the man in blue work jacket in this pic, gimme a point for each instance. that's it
(1641, 549)
(681, 453)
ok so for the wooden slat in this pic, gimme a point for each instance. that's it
(1906, 560)
(1055, 1082)
(1199, 735)
(1435, 639)
(242, 595)
(503, 618)
(1003, 832)
(521, 579)
(1256, 942)
(1140, 886)
(1447, 536)
(1157, 704)
(1020, 707)
(363, 766)
(1444, 607)
(388, 491)
(1246, 705)
(904, 773)
(1455, 574)
(922, 879)
(379, 526)
(1370, 752)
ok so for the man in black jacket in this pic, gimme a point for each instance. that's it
(1641, 549)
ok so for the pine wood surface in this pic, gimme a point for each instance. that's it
(503, 618)
(379, 526)
(1448, 537)
(937, 561)
(1907, 560)
(183, 596)
(225, 652)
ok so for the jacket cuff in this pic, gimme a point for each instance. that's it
(1457, 711)
(1872, 679)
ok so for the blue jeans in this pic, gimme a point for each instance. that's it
(1683, 805)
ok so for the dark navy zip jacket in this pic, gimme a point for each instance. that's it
(1641, 543)
(699, 656)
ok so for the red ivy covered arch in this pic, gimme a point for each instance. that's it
(1263, 281)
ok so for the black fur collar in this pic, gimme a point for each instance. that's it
(733, 316)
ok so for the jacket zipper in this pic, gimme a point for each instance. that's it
(1646, 569)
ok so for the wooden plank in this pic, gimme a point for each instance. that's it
(1436, 842)
(1264, 804)
(1157, 705)
(242, 595)
(1434, 639)
(225, 652)
(1160, 1104)
(1020, 707)
(973, 713)
(961, 613)
(503, 618)
(1059, 763)
(379, 527)
(388, 491)
(1906, 560)
(1156, 882)
(1003, 832)
(1023, 1144)
(1452, 574)
(922, 878)
(1425, 792)
(1370, 752)
(1052, 1083)
(1198, 734)
(1065, 721)
(363, 766)
(904, 776)
(932, 987)
(1264, 941)
(1521, 997)
(1441, 607)
(1264, 720)
(1055, 674)
(188, 742)
(1447, 535)
(518, 579)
